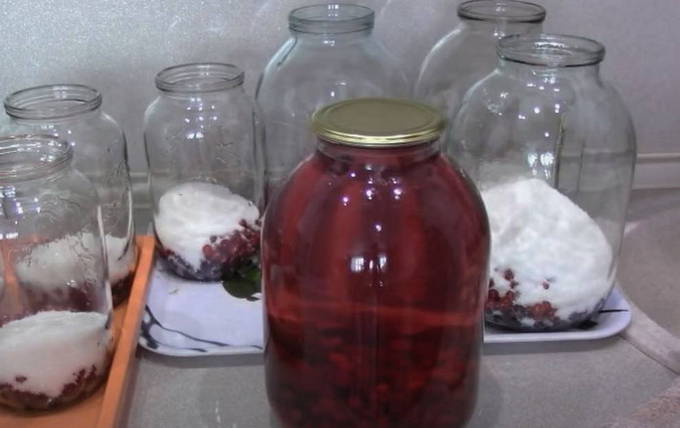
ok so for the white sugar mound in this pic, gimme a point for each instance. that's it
(190, 213)
(50, 348)
(72, 260)
(541, 235)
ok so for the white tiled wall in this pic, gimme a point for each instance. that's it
(118, 46)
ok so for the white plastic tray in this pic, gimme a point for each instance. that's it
(187, 319)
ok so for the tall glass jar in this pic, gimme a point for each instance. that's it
(330, 56)
(468, 53)
(374, 266)
(73, 113)
(55, 305)
(552, 148)
(201, 137)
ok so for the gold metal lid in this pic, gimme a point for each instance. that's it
(377, 122)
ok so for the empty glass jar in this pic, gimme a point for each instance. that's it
(201, 137)
(73, 113)
(374, 266)
(552, 148)
(330, 56)
(468, 53)
(55, 305)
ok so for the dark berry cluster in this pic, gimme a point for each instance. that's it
(503, 310)
(221, 254)
(120, 290)
(337, 379)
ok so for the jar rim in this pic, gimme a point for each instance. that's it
(551, 50)
(39, 156)
(53, 101)
(331, 18)
(199, 77)
(514, 11)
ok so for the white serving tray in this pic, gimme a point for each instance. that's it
(188, 319)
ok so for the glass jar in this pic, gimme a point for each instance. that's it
(552, 149)
(468, 53)
(55, 306)
(330, 56)
(202, 136)
(73, 113)
(374, 265)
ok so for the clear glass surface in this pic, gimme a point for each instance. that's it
(73, 113)
(374, 269)
(468, 53)
(552, 149)
(202, 138)
(330, 56)
(55, 303)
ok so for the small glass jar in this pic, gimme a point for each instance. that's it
(468, 53)
(374, 266)
(330, 56)
(55, 305)
(202, 136)
(73, 113)
(552, 149)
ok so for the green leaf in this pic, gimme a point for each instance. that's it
(244, 282)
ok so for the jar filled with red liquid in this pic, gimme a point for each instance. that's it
(374, 265)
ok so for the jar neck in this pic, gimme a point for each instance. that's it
(199, 79)
(550, 55)
(549, 73)
(500, 29)
(331, 39)
(32, 157)
(329, 23)
(501, 17)
(51, 102)
(378, 158)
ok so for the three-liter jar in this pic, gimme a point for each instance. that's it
(331, 56)
(468, 52)
(552, 149)
(201, 135)
(55, 305)
(374, 266)
(73, 113)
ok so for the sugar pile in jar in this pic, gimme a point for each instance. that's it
(205, 230)
(550, 262)
(68, 261)
(52, 357)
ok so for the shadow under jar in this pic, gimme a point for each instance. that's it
(374, 266)
(73, 113)
(468, 53)
(55, 305)
(552, 149)
(330, 56)
(201, 136)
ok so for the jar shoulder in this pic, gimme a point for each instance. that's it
(97, 130)
(436, 191)
(197, 108)
(460, 47)
(516, 107)
(361, 70)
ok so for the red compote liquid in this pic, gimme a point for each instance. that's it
(374, 271)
